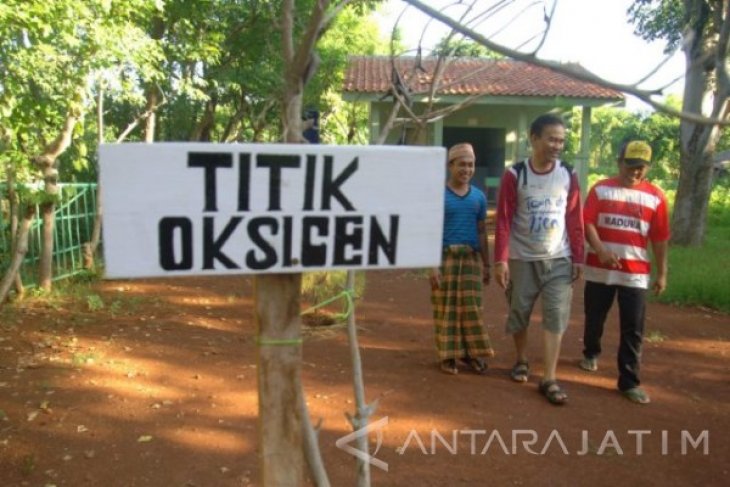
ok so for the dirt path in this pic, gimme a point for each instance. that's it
(158, 388)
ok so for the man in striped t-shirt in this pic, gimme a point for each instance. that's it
(621, 216)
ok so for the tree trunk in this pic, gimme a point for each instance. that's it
(691, 203)
(91, 248)
(92, 245)
(14, 217)
(697, 141)
(280, 423)
(153, 100)
(46, 162)
(281, 426)
(20, 248)
(204, 128)
(152, 92)
(45, 264)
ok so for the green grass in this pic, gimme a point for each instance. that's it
(699, 276)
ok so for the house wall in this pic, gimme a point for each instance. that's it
(514, 118)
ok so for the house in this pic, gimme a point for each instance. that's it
(503, 97)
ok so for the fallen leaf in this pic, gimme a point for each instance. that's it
(32, 415)
(144, 439)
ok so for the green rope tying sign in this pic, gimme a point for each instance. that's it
(347, 295)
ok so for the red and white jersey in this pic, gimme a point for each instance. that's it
(626, 219)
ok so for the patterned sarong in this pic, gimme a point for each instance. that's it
(457, 306)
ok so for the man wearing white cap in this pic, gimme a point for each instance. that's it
(622, 215)
(456, 287)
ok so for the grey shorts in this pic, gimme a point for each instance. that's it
(553, 279)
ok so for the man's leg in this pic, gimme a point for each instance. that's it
(557, 296)
(551, 342)
(521, 295)
(597, 301)
(520, 339)
(632, 309)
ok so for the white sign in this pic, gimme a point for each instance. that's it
(200, 208)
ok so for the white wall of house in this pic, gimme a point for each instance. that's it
(513, 115)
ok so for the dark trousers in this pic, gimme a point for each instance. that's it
(598, 299)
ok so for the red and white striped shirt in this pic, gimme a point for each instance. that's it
(626, 219)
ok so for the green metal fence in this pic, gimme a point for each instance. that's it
(75, 214)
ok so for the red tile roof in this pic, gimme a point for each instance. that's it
(470, 76)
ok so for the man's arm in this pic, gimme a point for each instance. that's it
(605, 256)
(660, 259)
(506, 206)
(484, 249)
(574, 227)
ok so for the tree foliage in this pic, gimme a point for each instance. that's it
(74, 74)
(454, 47)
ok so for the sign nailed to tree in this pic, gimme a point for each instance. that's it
(196, 208)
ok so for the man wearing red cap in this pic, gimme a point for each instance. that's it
(456, 287)
(622, 215)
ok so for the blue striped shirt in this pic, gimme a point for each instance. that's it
(461, 215)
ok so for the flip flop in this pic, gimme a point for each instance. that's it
(448, 366)
(520, 372)
(588, 364)
(478, 365)
(637, 395)
(553, 392)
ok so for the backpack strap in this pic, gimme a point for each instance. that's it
(521, 170)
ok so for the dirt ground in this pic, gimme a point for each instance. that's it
(153, 383)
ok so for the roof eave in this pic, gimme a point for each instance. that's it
(497, 100)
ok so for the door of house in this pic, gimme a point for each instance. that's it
(489, 149)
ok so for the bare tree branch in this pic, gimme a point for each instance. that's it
(571, 70)
(141, 117)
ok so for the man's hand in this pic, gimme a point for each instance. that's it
(609, 259)
(501, 274)
(660, 284)
(486, 274)
(577, 271)
(435, 278)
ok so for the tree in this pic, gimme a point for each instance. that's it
(611, 126)
(702, 28)
(49, 52)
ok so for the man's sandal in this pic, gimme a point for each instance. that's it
(553, 392)
(520, 372)
(637, 395)
(448, 366)
(478, 365)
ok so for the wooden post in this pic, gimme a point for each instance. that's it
(279, 357)
(360, 420)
